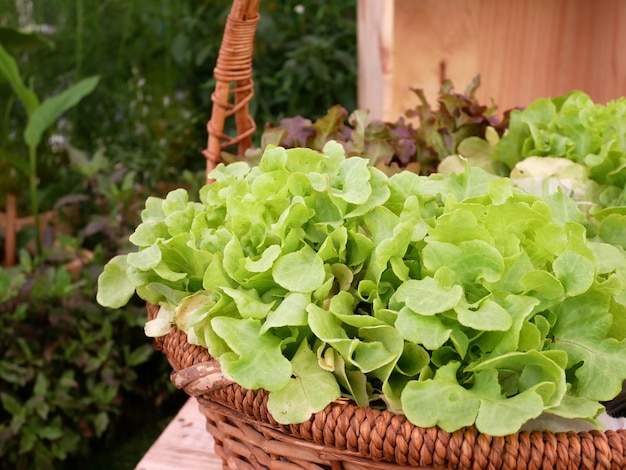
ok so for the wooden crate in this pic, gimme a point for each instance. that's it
(523, 50)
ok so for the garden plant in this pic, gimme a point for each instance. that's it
(77, 379)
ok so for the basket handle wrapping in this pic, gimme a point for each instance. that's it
(234, 86)
(200, 378)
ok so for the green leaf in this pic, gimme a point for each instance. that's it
(23, 39)
(20, 163)
(101, 423)
(486, 316)
(575, 272)
(440, 401)
(428, 331)
(8, 68)
(352, 184)
(50, 432)
(140, 355)
(256, 360)
(248, 302)
(290, 312)
(309, 391)
(114, 288)
(46, 113)
(427, 297)
(12, 405)
(613, 229)
(300, 271)
(471, 260)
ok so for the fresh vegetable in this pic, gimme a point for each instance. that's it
(416, 142)
(567, 143)
(456, 300)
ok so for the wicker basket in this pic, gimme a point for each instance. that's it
(342, 436)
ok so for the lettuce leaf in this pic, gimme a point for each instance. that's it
(458, 300)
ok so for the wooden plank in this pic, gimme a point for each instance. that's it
(523, 50)
(184, 444)
(375, 45)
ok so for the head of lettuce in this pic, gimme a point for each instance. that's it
(457, 300)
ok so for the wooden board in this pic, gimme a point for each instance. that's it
(522, 49)
(184, 444)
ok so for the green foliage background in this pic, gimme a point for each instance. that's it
(156, 59)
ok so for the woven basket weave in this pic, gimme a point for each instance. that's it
(342, 436)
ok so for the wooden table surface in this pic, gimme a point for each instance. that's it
(184, 444)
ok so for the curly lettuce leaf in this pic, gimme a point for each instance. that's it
(309, 390)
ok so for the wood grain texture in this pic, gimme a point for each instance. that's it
(523, 50)
(375, 42)
(184, 444)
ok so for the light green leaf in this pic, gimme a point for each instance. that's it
(597, 378)
(354, 381)
(248, 302)
(149, 232)
(305, 160)
(542, 283)
(256, 360)
(44, 115)
(300, 271)
(440, 401)
(8, 68)
(290, 312)
(145, 259)
(352, 184)
(486, 316)
(274, 158)
(576, 407)
(265, 261)
(378, 196)
(427, 297)
(194, 308)
(471, 260)
(428, 331)
(413, 359)
(500, 416)
(114, 288)
(575, 272)
(613, 229)
(531, 369)
(521, 308)
(309, 391)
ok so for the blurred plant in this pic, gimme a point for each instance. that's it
(154, 97)
(66, 367)
(41, 115)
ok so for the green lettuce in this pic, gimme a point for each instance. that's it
(569, 144)
(457, 300)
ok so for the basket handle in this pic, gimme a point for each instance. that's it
(234, 67)
(200, 378)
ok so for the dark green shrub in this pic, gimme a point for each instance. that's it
(69, 369)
